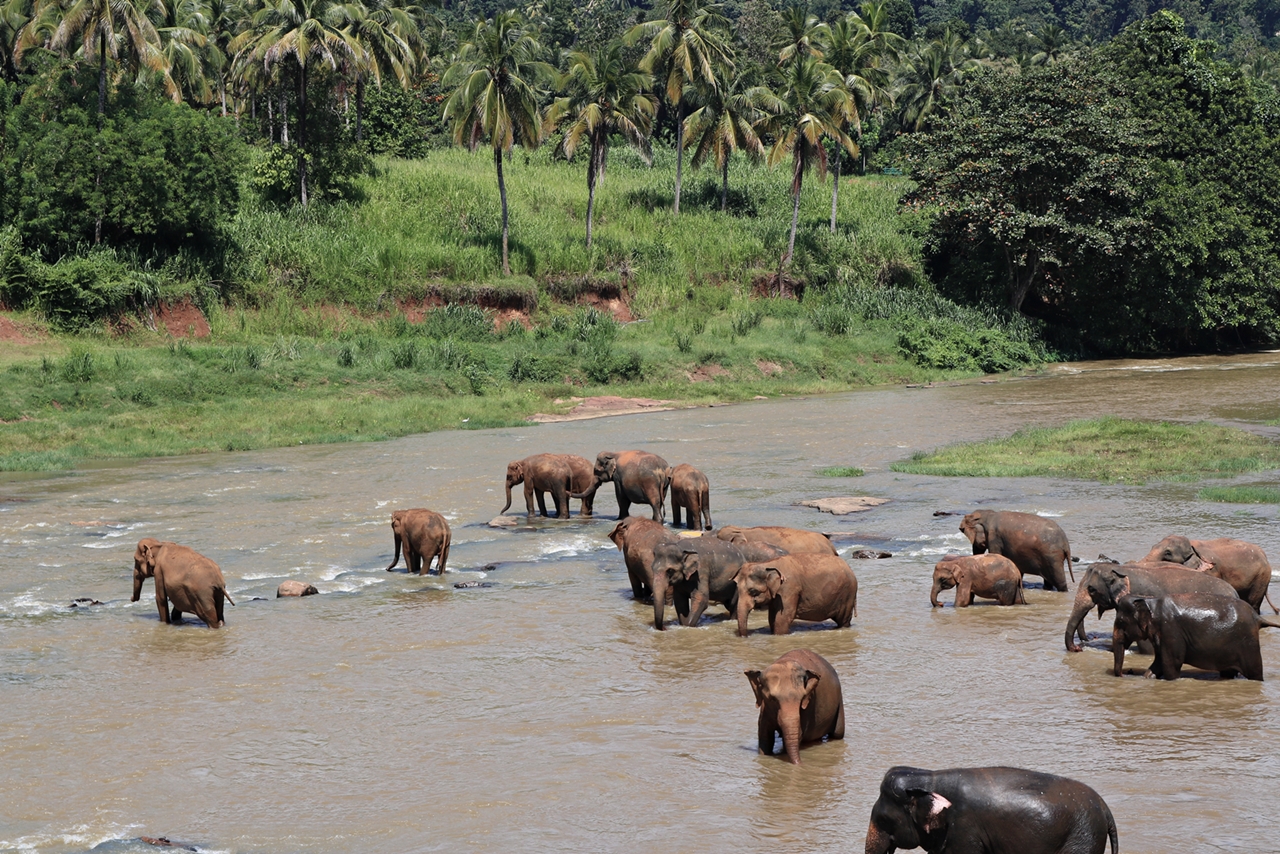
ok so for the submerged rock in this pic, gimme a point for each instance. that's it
(845, 505)
(467, 585)
(161, 842)
(505, 522)
(869, 554)
(295, 588)
(83, 602)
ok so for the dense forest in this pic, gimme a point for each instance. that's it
(1102, 174)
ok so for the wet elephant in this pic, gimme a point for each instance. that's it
(1038, 546)
(799, 698)
(425, 535)
(1242, 565)
(996, 810)
(805, 587)
(638, 477)
(185, 579)
(989, 576)
(636, 538)
(699, 571)
(1104, 583)
(1205, 630)
(791, 540)
(558, 474)
(690, 490)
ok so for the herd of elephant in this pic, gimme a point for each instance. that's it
(1190, 602)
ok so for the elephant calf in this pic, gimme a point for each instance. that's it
(636, 537)
(799, 698)
(425, 535)
(691, 490)
(988, 576)
(700, 571)
(805, 587)
(185, 579)
(1205, 630)
(791, 540)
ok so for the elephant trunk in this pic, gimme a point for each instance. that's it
(507, 506)
(745, 604)
(878, 842)
(1082, 605)
(590, 492)
(933, 593)
(659, 599)
(137, 585)
(789, 726)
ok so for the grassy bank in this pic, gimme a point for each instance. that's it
(1106, 449)
(1241, 494)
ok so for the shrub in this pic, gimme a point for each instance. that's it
(949, 345)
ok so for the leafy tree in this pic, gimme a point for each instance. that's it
(1051, 41)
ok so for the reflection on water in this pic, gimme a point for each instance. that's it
(397, 713)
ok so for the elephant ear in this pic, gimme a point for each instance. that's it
(754, 677)
(811, 680)
(774, 578)
(617, 533)
(929, 810)
(610, 469)
(689, 564)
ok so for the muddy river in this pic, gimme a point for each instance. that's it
(396, 714)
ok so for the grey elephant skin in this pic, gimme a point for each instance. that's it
(797, 587)
(425, 535)
(1038, 546)
(691, 491)
(184, 578)
(1242, 565)
(636, 538)
(792, 540)
(699, 571)
(638, 477)
(1208, 631)
(989, 576)
(988, 811)
(558, 474)
(799, 698)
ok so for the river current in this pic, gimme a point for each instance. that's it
(395, 713)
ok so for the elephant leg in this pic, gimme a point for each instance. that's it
(697, 604)
(837, 731)
(561, 499)
(675, 515)
(219, 604)
(765, 731)
(528, 498)
(542, 502)
(175, 616)
(443, 555)
(659, 507)
(680, 599)
(624, 509)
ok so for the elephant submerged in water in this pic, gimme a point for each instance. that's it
(793, 540)
(799, 698)
(1206, 630)
(1242, 565)
(184, 578)
(804, 586)
(638, 477)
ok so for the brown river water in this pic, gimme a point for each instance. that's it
(395, 713)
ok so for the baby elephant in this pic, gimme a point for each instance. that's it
(185, 579)
(1205, 630)
(804, 586)
(425, 535)
(989, 576)
(690, 490)
(799, 698)
(636, 537)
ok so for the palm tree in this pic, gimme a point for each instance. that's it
(14, 17)
(722, 124)
(686, 45)
(805, 35)
(930, 75)
(1051, 39)
(495, 73)
(812, 103)
(190, 56)
(605, 97)
(386, 32)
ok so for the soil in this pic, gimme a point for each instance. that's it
(707, 373)
(182, 320)
(600, 407)
(13, 333)
(768, 368)
(616, 306)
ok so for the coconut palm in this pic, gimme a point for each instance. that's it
(686, 44)
(812, 103)
(1052, 40)
(14, 17)
(605, 96)
(930, 75)
(805, 35)
(386, 32)
(496, 98)
(722, 124)
(191, 58)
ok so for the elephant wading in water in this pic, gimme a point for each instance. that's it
(805, 587)
(638, 477)
(791, 540)
(559, 474)
(1036, 545)
(636, 538)
(188, 580)
(799, 698)
(690, 490)
(425, 535)
(996, 810)
(1104, 583)
(700, 571)
(1205, 630)
(1242, 565)
(988, 576)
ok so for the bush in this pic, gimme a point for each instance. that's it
(949, 345)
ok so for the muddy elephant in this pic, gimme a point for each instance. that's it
(690, 490)
(558, 474)
(791, 540)
(1205, 630)
(700, 571)
(805, 587)
(185, 579)
(1038, 546)
(1242, 565)
(799, 699)
(1104, 583)
(989, 576)
(638, 477)
(425, 535)
(973, 810)
(636, 538)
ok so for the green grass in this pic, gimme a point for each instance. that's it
(1241, 494)
(841, 471)
(1106, 449)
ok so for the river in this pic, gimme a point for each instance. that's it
(395, 713)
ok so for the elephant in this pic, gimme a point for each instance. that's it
(1036, 545)
(989, 576)
(700, 571)
(1242, 565)
(185, 579)
(996, 810)
(690, 490)
(805, 586)
(636, 538)
(425, 535)
(799, 698)
(638, 477)
(559, 474)
(1205, 630)
(792, 540)
(1104, 583)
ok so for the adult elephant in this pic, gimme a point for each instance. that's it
(690, 490)
(799, 698)
(1242, 565)
(791, 540)
(1205, 630)
(988, 576)
(805, 586)
(638, 477)
(700, 571)
(636, 538)
(1104, 583)
(998, 810)
(1038, 546)
(185, 579)
(425, 535)
(558, 474)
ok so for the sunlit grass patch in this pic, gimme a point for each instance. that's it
(1241, 494)
(841, 471)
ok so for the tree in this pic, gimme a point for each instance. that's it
(686, 45)
(1051, 39)
(605, 97)
(495, 74)
(805, 36)
(929, 76)
(385, 32)
(722, 124)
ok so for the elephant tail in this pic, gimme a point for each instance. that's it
(1073, 572)
(1269, 622)
(227, 593)
(1111, 830)
(1272, 604)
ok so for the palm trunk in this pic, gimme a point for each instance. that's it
(102, 117)
(795, 215)
(502, 194)
(679, 152)
(284, 118)
(271, 119)
(302, 134)
(835, 191)
(359, 107)
(595, 163)
(1022, 275)
(724, 185)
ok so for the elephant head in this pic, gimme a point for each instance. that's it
(144, 563)
(515, 476)
(619, 533)
(604, 471)
(974, 527)
(908, 814)
(782, 690)
(1136, 612)
(1175, 549)
(944, 578)
(758, 584)
(732, 534)
(670, 566)
(1102, 585)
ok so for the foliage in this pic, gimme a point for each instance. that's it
(841, 471)
(1240, 494)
